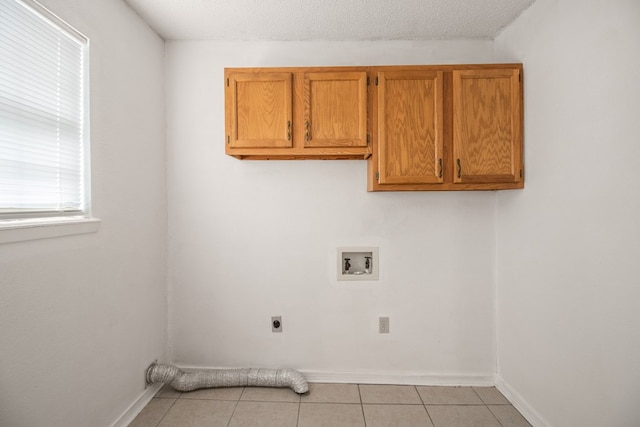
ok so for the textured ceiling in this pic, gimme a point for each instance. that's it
(328, 19)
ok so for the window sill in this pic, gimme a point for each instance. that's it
(18, 231)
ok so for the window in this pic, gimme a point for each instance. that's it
(44, 132)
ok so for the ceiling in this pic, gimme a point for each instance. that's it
(330, 20)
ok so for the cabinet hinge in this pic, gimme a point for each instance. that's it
(367, 80)
(377, 176)
(228, 139)
(368, 138)
(376, 81)
(227, 82)
(520, 173)
(519, 77)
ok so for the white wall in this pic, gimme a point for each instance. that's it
(82, 316)
(252, 239)
(568, 245)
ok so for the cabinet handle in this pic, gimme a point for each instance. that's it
(459, 168)
(288, 130)
(306, 129)
(439, 168)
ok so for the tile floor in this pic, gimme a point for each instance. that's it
(332, 405)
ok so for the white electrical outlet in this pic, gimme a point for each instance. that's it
(383, 323)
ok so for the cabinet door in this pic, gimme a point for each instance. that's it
(335, 109)
(259, 110)
(487, 121)
(410, 124)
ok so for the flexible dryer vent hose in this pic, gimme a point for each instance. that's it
(208, 378)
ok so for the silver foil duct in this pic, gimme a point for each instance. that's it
(209, 378)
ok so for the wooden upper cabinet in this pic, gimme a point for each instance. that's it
(296, 113)
(447, 127)
(259, 110)
(410, 127)
(487, 126)
(421, 127)
(335, 109)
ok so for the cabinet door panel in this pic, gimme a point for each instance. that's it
(410, 124)
(335, 109)
(487, 136)
(260, 110)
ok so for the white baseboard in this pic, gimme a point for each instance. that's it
(400, 378)
(374, 377)
(527, 411)
(138, 405)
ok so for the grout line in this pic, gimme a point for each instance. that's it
(486, 405)
(395, 404)
(213, 400)
(242, 393)
(300, 405)
(236, 407)
(478, 394)
(345, 403)
(420, 396)
(424, 405)
(494, 415)
(455, 404)
(165, 414)
(364, 418)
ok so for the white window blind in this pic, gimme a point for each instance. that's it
(44, 168)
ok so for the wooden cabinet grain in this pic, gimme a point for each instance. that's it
(487, 126)
(410, 125)
(259, 110)
(335, 109)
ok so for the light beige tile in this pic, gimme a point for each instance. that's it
(265, 414)
(151, 415)
(402, 394)
(332, 393)
(396, 416)
(330, 415)
(232, 393)
(462, 416)
(508, 416)
(491, 396)
(268, 394)
(194, 413)
(168, 391)
(448, 396)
